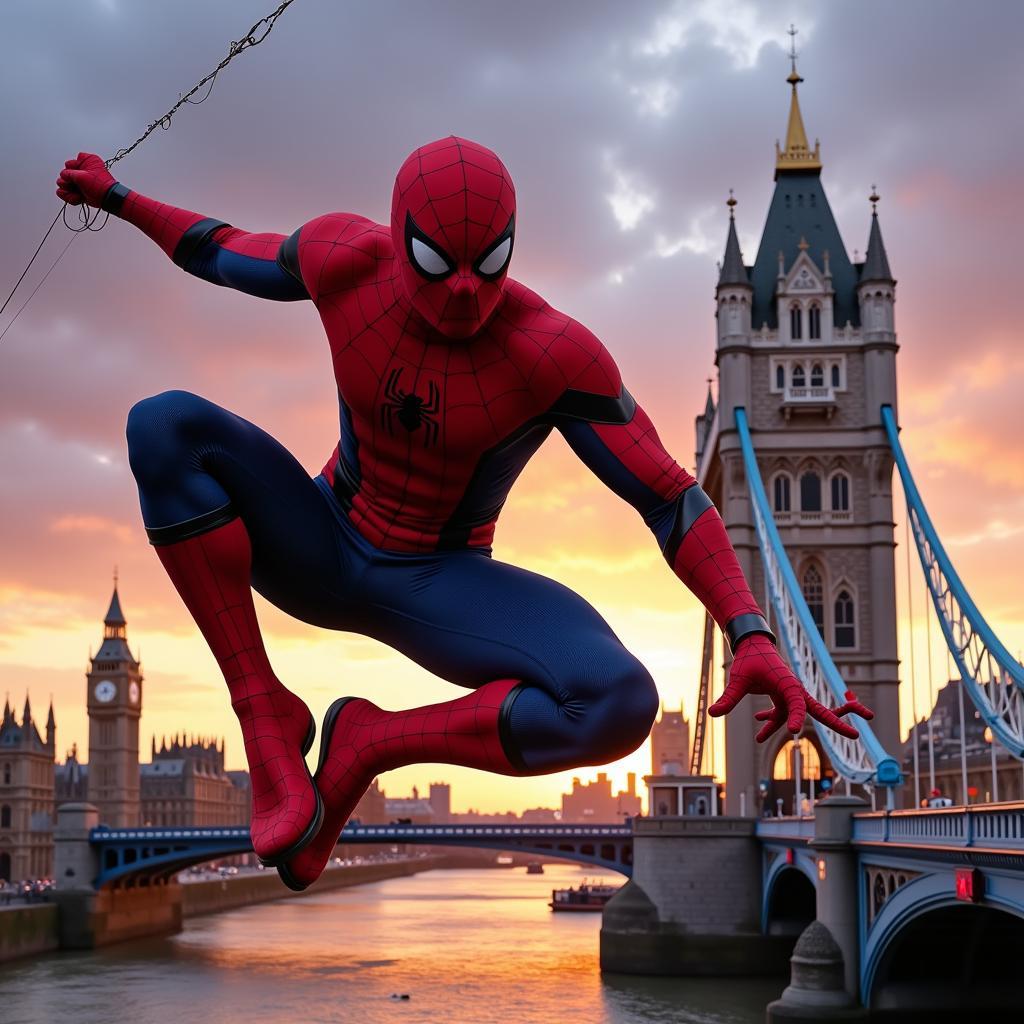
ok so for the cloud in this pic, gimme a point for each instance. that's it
(628, 201)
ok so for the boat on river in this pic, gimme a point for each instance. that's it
(585, 897)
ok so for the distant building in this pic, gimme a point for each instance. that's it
(372, 806)
(540, 816)
(114, 703)
(26, 795)
(595, 802)
(414, 809)
(71, 780)
(186, 784)
(670, 744)
(946, 751)
(441, 800)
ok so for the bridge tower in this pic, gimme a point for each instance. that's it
(806, 343)
(114, 704)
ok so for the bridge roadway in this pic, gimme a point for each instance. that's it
(913, 868)
(141, 855)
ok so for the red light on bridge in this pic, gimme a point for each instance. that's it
(790, 855)
(970, 885)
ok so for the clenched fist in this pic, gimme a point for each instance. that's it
(84, 180)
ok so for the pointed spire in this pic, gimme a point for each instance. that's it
(876, 263)
(709, 405)
(733, 271)
(114, 616)
(8, 713)
(26, 715)
(51, 721)
(798, 155)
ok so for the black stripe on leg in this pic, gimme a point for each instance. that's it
(162, 535)
(505, 729)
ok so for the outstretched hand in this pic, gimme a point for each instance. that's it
(757, 667)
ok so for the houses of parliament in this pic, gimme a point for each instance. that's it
(184, 783)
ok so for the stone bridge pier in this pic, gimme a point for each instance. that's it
(825, 967)
(90, 917)
(693, 905)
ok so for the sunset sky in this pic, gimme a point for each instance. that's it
(623, 126)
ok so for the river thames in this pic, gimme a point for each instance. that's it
(465, 946)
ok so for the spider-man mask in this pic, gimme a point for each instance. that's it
(452, 221)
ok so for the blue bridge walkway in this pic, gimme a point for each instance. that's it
(141, 855)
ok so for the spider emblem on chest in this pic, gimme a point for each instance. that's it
(409, 409)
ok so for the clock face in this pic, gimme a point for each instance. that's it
(133, 692)
(105, 691)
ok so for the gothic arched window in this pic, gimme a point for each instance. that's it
(814, 321)
(840, 493)
(7, 773)
(780, 377)
(810, 492)
(817, 376)
(835, 375)
(814, 595)
(843, 617)
(795, 322)
(799, 380)
(782, 495)
(5, 816)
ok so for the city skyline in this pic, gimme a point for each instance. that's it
(622, 188)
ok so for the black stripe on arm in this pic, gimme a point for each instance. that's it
(194, 239)
(748, 624)
(591, 408)
(690, 506)
(288, 257)
(115, 197)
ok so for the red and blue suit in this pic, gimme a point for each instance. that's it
(450, 375)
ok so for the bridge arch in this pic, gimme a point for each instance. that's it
(924, 933)
(790, 895)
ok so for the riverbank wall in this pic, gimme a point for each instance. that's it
(219, 894)
(108, 916)
(28, 930)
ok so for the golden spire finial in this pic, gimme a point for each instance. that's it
(873, 198)
(731, 203)
(798, 155)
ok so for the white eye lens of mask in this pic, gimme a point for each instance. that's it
(429, 261)
(494, 261)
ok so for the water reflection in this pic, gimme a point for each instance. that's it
(468, 947)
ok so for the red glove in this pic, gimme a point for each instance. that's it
(84, 180)
(757, 667)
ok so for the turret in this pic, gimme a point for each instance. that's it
(876, 294)
(734, 290)
(876, 290)
(51, 728)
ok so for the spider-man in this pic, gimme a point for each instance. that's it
(450, 375)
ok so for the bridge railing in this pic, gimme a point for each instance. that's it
(991, 826)
(392, 832)
(790, 828)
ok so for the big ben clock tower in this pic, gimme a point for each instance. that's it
(114, 703)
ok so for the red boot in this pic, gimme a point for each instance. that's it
(212, 574)
(359, 741)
